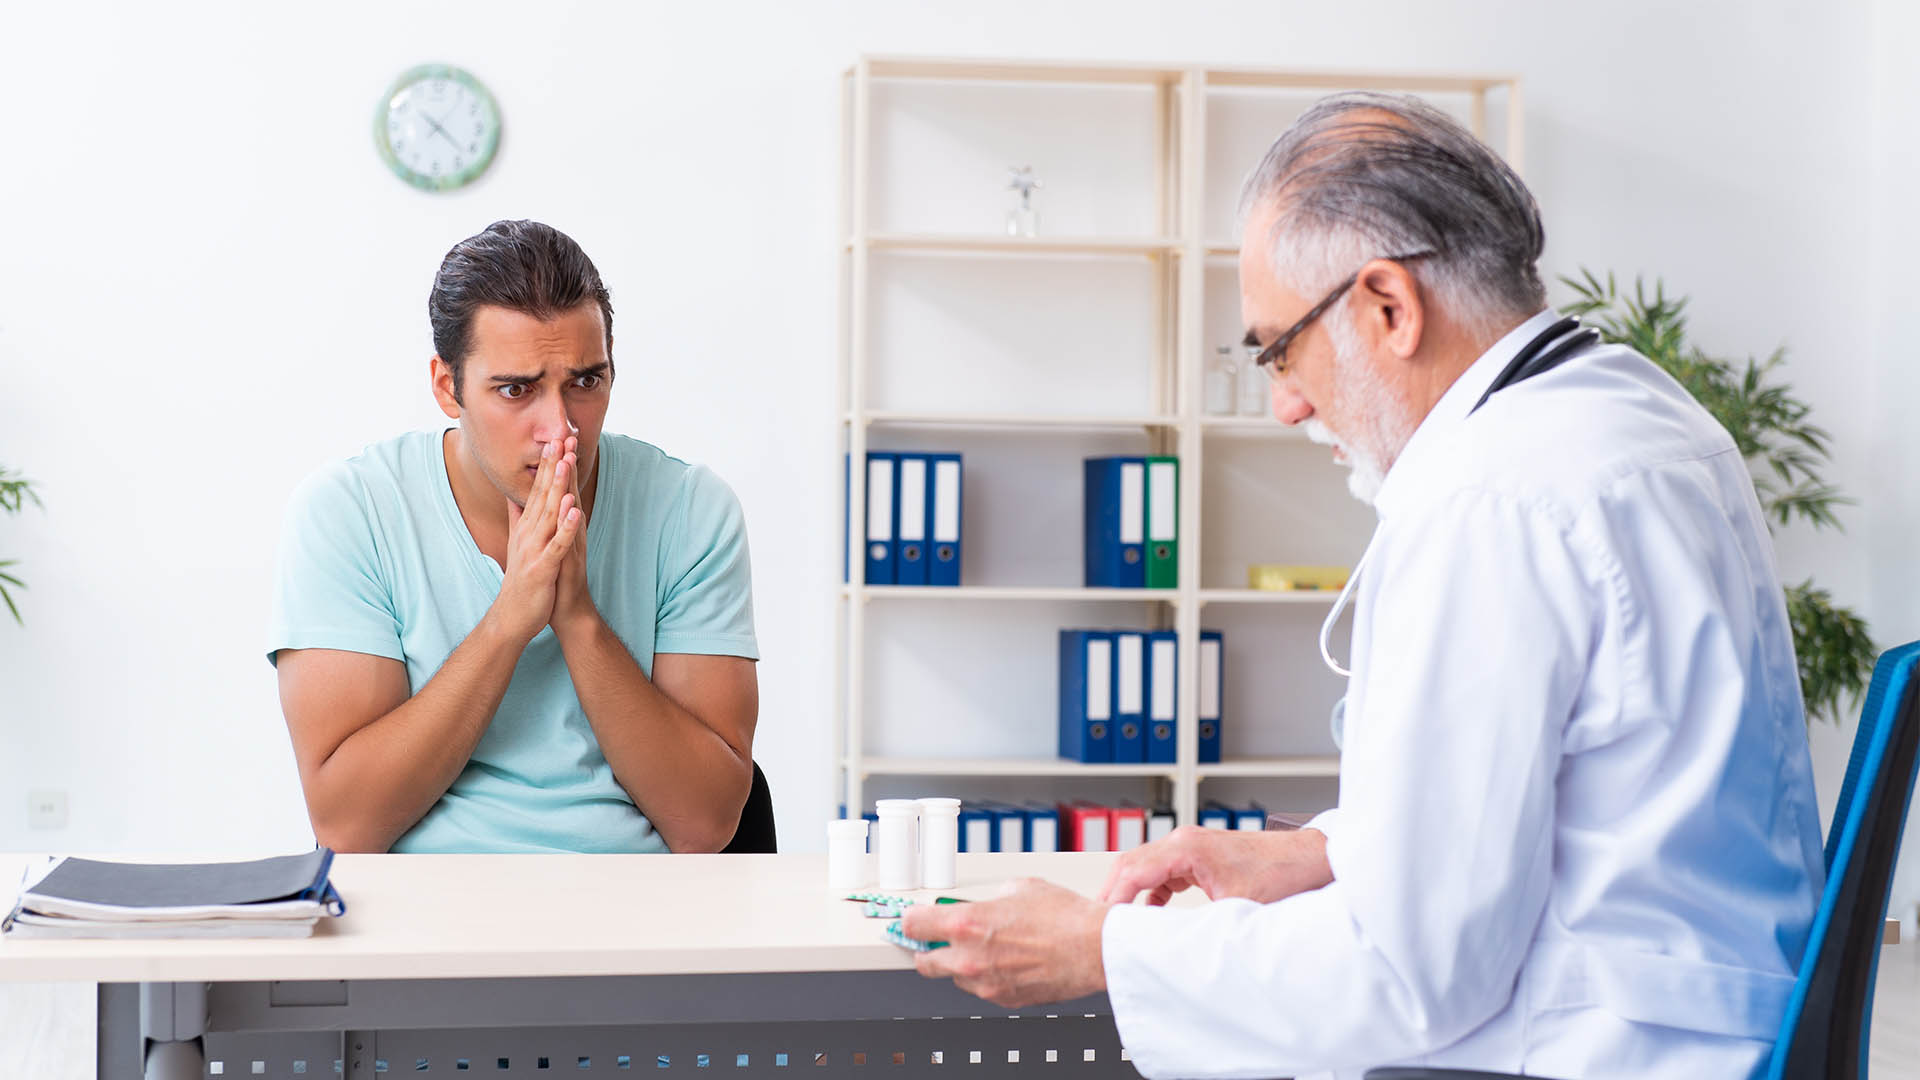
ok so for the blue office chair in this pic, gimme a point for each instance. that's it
(1824, 1034)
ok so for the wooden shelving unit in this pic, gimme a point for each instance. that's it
(1046, 767)
(1179, 252)
(1066, 422)
(1019, 245)
(1008, 592)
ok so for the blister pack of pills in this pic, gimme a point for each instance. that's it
(900, 938)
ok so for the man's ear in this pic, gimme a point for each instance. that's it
(441, 374)
(1392, 315)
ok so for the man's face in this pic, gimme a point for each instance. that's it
(527, 383)
(1333, 382)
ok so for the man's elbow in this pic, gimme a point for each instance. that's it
(694, 842)
(713, 831)
(349, 837)
(699, 837)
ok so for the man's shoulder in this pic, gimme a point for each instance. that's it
(644, 471)
(380, 472)
(1569, 436)
(637, 459)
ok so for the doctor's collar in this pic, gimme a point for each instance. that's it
(1454, 406)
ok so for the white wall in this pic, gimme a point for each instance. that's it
(1889, 490)
(208, 284)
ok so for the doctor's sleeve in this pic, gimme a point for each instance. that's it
(1442, 855)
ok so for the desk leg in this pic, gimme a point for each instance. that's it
(117, 1042)
(173, 1019)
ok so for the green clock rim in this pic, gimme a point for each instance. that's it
(418, 73)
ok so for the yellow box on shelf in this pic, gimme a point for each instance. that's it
(1286, 577)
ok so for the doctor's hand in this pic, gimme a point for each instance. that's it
(572, 603)
(1259, 866)
(1039, 943)
(539, 535)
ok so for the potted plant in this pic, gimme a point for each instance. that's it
(15, 492)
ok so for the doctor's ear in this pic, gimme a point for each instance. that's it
(446, 390)
(1391, 310)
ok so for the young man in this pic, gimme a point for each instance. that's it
(519, 633)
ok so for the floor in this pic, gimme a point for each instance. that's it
(46, 1029)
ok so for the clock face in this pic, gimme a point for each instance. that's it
(437, 128)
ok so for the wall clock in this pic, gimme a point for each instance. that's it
(437, 127)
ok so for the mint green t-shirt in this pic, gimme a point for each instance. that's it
(375, 558)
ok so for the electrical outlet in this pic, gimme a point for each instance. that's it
(47, 809)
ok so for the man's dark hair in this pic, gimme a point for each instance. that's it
(522, 266)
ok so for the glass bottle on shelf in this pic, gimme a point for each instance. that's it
(1022, 220)
(1256, 390)
(1222, 372)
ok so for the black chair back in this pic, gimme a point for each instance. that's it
(754, 835)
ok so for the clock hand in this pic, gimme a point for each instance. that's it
(435, 124)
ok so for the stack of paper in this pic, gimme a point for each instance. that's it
(86, 898)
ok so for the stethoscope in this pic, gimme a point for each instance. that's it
(1550, 348)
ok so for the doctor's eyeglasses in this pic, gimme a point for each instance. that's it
(1273, 358)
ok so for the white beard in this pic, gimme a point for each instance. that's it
(1364, 476)
(1381, 426)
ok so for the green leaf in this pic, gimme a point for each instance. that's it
(16, 491)
(1835, 652)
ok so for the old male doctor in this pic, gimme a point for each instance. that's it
(1576, 834)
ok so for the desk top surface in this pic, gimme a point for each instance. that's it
(499, 916)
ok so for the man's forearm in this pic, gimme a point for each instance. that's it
(690, 782)
(387, 775)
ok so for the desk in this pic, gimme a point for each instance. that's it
(576, 965)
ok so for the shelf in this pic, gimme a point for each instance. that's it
(991, 420)
(1273, 768)
(1069, 593)
(1252, 427)
(875, 766)
(1329, 81)
(1182, 255)
(1077, 72)
(955, 68)
(1269, 596)
(1245, 427)
(961, 244)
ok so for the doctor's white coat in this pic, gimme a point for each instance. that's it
(1576, 833)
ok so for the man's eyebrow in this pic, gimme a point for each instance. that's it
(1252, 340)
(573, 373)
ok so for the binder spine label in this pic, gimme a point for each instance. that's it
(1133, 498)
(1099, 679)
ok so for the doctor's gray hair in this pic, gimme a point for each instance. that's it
(1363, 176)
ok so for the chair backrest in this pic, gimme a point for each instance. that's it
(1824, 1035)
(754, 835)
